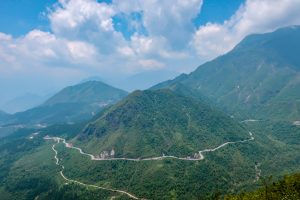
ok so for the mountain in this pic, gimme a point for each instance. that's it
(286, 188)
(91, 78)
(88, 92)
(144, 80)
(150, 123)
(259, 78)
(72, 104)
(3, 116)
(5, 130)
(24, 102)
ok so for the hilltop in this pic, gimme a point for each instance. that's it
(152, 123)
(258, 78)
(72, 104)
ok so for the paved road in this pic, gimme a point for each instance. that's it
(84, 184)
(200, 157)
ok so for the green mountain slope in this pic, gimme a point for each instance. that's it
(72, 104)
(286, 188)
(91, 92)
(28, 169)
(152, 123)
(260, 77)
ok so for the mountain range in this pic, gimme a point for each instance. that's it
(220, 130)
(259, 78)
(24, 102)
(71, 104)
(4, 115)
(151, 123)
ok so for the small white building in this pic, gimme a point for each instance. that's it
(69, 145)
(112, 153)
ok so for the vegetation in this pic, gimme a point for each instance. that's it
(27, 169)
(258, 78)
(287, 188)
(87, 92)
(72, 104)
(152, 123)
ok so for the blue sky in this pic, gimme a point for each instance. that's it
(18, 17)
(46, 45)
(216, 11)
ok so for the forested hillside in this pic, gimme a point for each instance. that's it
(259, 78)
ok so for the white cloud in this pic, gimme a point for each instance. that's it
(151, 64)
(87, 20)
(81, 51)
(43, 49)
(162, 18)
(72, 16)
(84, 39)
(255, 16)
(173, 20)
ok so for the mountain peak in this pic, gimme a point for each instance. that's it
(258, 78)
(89, 91)
(149, 123)
(92, 78)
(72, 104)
(281, 46)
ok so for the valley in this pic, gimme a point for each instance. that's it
(80, 169)
(92, 157)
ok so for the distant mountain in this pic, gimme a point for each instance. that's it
(24, 102)
(150, 123)
(72, 104)
(88, 92)
(3, 115)
(144, 80)
(260, 77)
(92, 78)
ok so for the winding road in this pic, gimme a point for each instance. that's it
(201, 156)
(250, 120)
(81, 183)
(67, 145)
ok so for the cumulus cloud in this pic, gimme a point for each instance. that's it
(84, 36)
(172, 21)
(38, 47)
(255, 16)
(86, 20)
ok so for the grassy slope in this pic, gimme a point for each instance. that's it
(151, 123)
(258, 78)
(164, 179)
(286, 188)
(26, 172)
(72, 104)
(88, 92)
(228, 170)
